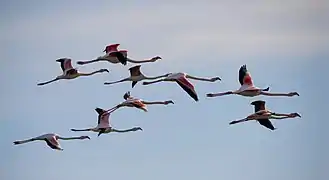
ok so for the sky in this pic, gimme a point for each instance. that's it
(284, 44)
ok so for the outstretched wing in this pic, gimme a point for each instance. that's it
(267, 123)
(111, 48)
(52, 142)
(244, 76)
(188, 87)
(120, 57)
(258, 105)
(135, 71)
(66, 64)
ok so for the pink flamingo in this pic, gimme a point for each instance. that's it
(104, 123)
(138, 103)
(51, 140)
(113, 55)
(263, 116)
(248, 89)
(135, 76)
(182, 80)
(69, 72)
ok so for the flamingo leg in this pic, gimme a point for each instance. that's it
(91, 61)
(144, 61)
(239, 121)
(81, 129)
(279, 94)
(152, 82)
(219, 94)
(122, 80)
(44, 83)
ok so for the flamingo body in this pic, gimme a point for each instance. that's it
(51, 140)
(263, 116)
(248, 88)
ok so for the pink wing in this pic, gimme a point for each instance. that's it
(68, 64)
(124, 52)
(248, 80)
(104, 121)
(188, 87)
(52, 142)
(112, 47)
(138, 104)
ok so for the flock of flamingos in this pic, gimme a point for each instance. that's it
(115, 56)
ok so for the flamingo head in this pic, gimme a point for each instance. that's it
(104, 70)
(126, 95)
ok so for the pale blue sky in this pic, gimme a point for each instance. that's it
(284, 44)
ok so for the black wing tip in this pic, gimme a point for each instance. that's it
(257, 102)
(99, 110)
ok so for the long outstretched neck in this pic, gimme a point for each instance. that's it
(156, 77)
(24, 141)
(139, 61)
(89, 74)
(275, 94)
(123, 131)
(151, 82)
(69, 138)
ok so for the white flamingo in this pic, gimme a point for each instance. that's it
(248, 89)
(135, 76)
(113, 55)
(263, 116)
(139, 103)
(182, 80)
(51, 139)
(69, 72)
(104, 123)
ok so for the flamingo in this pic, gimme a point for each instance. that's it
(113, 55)
(138, 103)
(248, 89)
(182, 80)
(69, 72)
(135, 76)
(104, 123)
(51, 140)
(263, 116)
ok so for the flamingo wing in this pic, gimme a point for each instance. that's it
(267, 123)
(244, 76)
(52, 142)
(111, 47)
(66, 64)
(119, 56)
(137, 103)
(188, 87)
(135, 71)
(258, 105)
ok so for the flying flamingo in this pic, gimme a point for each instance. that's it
(138, 103)
(51, 140)
(104, 123)
(182, 80)
(113, 55)
(135, 76)
(248, 89)
(69, 72)
(263, 116)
